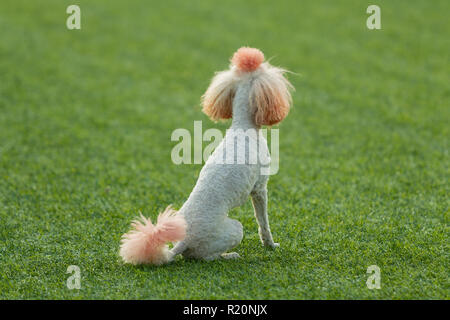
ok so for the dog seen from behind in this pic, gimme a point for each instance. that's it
(252, 93)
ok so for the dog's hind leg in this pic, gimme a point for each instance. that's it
(259, 200)
(234, 232)
(177, 249)
(230, 235)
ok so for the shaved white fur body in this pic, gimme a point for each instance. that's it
(222, 186)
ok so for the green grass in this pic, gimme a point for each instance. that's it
(85, 124)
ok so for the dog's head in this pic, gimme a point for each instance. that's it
(269, 96)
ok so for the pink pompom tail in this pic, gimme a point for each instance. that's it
(146, 243)
(247, 59)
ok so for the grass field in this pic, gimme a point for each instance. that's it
(86, 118)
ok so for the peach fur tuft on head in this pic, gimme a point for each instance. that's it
(247, 59)
(269, 95)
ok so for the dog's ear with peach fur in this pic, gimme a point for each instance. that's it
(218, 99)
(270, 98)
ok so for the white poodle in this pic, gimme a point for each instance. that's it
(253, 93)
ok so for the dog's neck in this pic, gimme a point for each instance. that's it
(242, 115)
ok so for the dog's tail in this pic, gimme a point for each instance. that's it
(146, 243)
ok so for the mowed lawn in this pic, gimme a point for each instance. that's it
(86, 118)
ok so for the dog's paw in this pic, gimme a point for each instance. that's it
(230, 255)
(272, 245)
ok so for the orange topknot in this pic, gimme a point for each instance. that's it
(247, 59)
